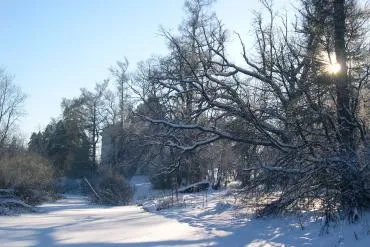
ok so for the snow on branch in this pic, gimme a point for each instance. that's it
(212, 130)
(275, 169)
(195, 145)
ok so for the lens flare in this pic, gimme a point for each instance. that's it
(334, 68)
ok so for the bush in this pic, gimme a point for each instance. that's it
(111, 188)
(29, 174)
(168, 202)
(161, 181)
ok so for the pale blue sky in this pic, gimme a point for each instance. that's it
(54, 48)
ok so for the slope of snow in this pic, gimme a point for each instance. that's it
(229, 223)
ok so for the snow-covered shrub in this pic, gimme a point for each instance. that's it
(222, 206)
(196, 187)
(164, 203)
(29, 174)
(111, 188)
(234, 185)
(168, 202)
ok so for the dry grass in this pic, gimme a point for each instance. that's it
(29, 174)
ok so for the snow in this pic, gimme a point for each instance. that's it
(212, 219)
(144, 190)
(228, 223)
(74, 222)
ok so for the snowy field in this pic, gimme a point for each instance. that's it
(199, 220)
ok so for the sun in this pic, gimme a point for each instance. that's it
(329, 61)
(334, 68)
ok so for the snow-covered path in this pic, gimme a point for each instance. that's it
(73, 222)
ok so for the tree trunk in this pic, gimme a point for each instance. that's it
(343, 87)
(94, 127)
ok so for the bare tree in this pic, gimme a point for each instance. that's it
(121, 77)
(167, 79)
(94, 108)
(282, 98)
(11, 106)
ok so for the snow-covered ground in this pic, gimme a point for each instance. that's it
(229, 223)
(74, 222)
(215, 219)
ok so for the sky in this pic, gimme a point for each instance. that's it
(54, 48)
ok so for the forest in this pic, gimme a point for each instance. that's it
(290, 119)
